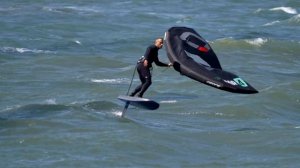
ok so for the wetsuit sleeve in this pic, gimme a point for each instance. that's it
(158, 63)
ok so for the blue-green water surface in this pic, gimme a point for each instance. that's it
(64, 63)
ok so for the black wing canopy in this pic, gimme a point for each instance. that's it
(182, 42)
(195, 44)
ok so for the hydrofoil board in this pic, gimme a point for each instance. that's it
(138, 102)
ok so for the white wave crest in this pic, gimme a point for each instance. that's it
(7, 9)
(259, 10)
(84, 9)
(168, 101)
(295, 19)
(257, 41)
(77, 42)
(71, 9)
(50, 101)
(117, 113)
(272, 23)
(110, 81)
(288, 10)
(25, 50)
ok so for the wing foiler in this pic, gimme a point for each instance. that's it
(182, 43)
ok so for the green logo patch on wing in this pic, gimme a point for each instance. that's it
(241, 82)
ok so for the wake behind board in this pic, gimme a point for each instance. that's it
(140, 102)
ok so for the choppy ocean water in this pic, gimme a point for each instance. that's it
(63, 63)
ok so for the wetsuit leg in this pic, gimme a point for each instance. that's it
(139, 87)
(145, 77)
(146, 80)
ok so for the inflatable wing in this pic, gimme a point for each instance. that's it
(182, 43)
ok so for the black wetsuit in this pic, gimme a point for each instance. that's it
(151, 56)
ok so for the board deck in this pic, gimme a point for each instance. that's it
(139, 102)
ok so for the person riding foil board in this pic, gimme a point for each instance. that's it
(144, 66)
